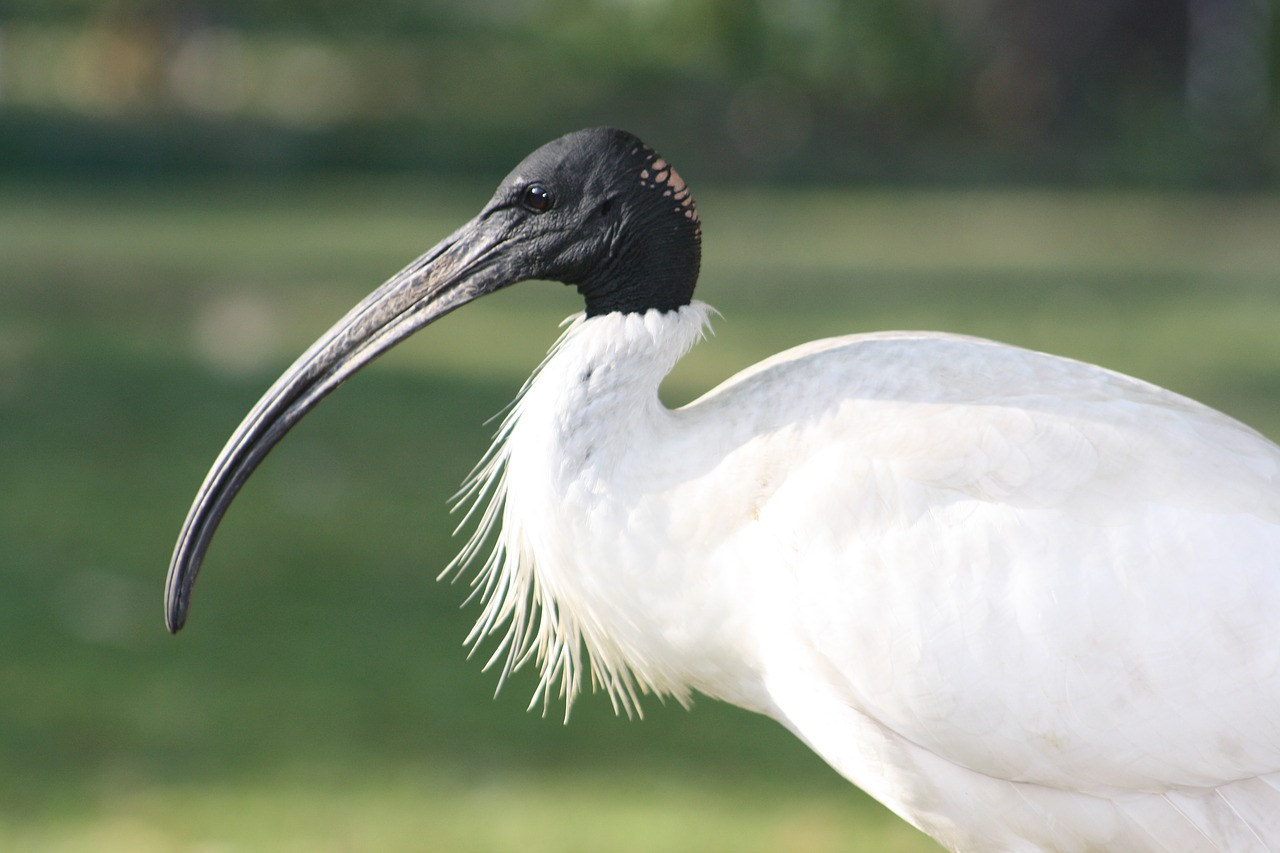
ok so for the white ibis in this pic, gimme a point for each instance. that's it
(1028, 603)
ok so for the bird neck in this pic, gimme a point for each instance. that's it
(607, 365)
(576, 447)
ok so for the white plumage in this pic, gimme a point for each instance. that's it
(1027, 603)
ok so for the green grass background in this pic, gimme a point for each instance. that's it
(320, 698)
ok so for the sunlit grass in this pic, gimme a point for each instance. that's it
(321, 699)
(407, 807)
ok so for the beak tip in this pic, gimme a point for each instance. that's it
(176, 602)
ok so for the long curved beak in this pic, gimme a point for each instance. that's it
(464, 266)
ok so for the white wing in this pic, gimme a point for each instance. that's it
(1013, 565)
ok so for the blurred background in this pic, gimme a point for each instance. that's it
(191, 192)
(1151, 92)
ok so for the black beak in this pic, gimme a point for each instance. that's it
(470, 263)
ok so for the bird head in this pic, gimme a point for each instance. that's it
(601, 210)
(597, 209)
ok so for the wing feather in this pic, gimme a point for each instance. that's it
(1035, 568)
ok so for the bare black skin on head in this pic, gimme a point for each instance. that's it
(626, 236)
(597, 209)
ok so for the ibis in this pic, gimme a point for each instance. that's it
(1029, 604)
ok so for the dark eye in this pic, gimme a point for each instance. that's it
(538, 198)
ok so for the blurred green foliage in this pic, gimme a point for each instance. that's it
(1145, 92)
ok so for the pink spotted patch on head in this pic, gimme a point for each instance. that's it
(662, 176)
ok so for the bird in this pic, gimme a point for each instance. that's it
(1027, 603)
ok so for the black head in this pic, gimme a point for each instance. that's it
(597, 209)
(602, 211)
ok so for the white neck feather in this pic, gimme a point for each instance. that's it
(578, 424)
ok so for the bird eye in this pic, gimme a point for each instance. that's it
(537, 198)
